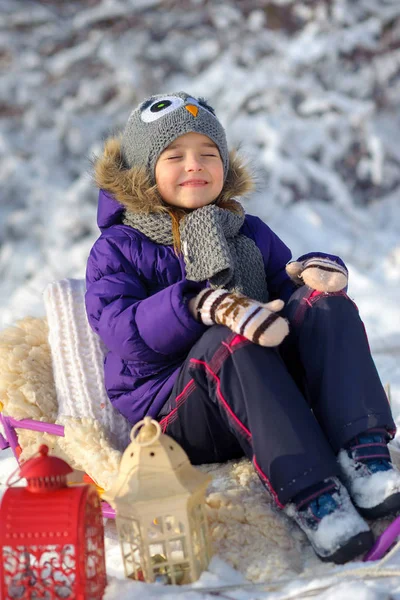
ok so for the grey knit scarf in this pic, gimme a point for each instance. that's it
(213, 249)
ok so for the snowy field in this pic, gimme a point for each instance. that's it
(309, 91)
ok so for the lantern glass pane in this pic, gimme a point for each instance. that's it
(128, 559)
(155, 529)
(173, 525)
(181, 573)
(129, 536)
(162, 574)
(157, 553)
(159, 564)
(94, 532)
(199, 534)
(49, 569)
(177, 549)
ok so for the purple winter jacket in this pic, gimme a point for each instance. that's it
(137, 292)
(137, 301)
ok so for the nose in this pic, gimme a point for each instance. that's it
(193, 164)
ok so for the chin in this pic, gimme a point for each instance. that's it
(196, 202)
(194, 205)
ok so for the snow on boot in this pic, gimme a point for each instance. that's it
(328, 518)
(372, 480)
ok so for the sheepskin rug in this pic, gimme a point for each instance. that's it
(247, 530)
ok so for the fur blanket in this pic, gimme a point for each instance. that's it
(27, 391)
(247, 530)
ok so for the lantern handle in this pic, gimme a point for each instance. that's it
(146, 421)
(42, 450)
(10, 483)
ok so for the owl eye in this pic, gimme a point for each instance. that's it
(201, 102)
(161, 107)
(205, 105)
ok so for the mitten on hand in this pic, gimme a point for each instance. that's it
(258, 322)
(319, 273)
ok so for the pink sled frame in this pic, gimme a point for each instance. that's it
(10, 440)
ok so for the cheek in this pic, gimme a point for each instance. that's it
(219, 177)
(162, 179)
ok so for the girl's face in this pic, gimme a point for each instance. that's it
(189, 172)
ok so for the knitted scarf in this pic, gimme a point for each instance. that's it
(213, 249)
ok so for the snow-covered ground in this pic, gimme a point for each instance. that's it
(354, 581)
(310, 92)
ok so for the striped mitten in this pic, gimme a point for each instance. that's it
(319, 273)
(258, 322)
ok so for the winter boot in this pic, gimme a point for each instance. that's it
(371, 479)
(328, 518)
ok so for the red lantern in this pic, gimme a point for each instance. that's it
(51, 536)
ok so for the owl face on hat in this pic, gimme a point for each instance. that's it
(160, 119)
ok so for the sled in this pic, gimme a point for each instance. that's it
(52, 391)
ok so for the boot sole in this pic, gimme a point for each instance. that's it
(359, 544)
(389, 507)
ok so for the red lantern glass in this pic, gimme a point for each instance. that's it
(51, 536)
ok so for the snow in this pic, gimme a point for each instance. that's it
(310, 92)
(333, 532)
(368, 491)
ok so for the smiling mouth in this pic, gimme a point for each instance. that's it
(194, 183)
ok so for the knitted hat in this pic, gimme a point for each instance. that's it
(159, 120)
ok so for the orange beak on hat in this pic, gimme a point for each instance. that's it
(192, 109)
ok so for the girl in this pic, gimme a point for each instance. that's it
(185, 290)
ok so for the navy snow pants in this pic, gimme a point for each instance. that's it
(288, 409)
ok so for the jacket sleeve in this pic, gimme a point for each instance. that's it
(132, 324)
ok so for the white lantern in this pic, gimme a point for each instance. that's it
(159, 499)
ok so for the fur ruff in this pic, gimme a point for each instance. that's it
(132, 187)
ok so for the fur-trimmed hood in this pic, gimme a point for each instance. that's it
(130, 189)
